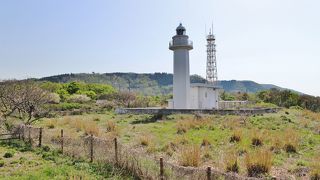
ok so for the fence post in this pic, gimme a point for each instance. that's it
(91, 148)
(116, 149)
(23, 138)
(40, 137)
(62, 141)
(29, 134)
(209, 173)
(161, 169)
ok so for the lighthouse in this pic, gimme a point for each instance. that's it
(181, 45)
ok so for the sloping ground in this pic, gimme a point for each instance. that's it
(153, 84)
(40, 163)
(288, 142)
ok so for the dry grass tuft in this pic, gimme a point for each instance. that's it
(51, 124)
(184, 125)
(205, 142)
(65, 120)
(78, 124)
(291, 141)
(231, 163)
(258, 163)
(315, 172)
(190, 156)
(111, 126)
(236, 136)
(91, 128)
(145, 140)
(181, 140)
(169, 149)
(276, 144)
(311, 115)
(257, 138)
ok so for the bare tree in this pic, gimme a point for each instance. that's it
(21, 100)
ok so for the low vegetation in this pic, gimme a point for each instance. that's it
(258, 163)
(43, 163)
(190, 156)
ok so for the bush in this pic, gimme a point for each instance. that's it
(258, 163)
(78, 98)
(1, 163)
(46, 148)
(8, 155)
(63, 106)
(190, 156)
(54, 98)
(90, 94)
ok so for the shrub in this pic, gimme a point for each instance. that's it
(46, 148)
(90, 94)
(78, 98)
(63, 106)
(190, 156)
(8, 155)
(54, 98)
(1, 163)
(258, 163)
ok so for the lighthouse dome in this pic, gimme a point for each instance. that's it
(181, 30)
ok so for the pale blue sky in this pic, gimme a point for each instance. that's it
(268, 41)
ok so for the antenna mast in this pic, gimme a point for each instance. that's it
(212, 74)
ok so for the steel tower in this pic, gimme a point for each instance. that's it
(212, 74)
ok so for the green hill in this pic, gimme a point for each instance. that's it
(152, 83)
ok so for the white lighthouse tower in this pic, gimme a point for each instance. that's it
(180, 45)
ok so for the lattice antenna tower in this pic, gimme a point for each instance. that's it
(212, 73)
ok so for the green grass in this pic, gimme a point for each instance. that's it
(39, 163)
(217, 130)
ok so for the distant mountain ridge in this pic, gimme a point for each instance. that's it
(152, 83)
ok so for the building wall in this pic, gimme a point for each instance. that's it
(203, 98)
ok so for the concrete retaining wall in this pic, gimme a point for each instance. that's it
(196, 111)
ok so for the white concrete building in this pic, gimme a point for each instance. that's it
(204, 96)
(186, 95)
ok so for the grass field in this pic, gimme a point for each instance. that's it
(21, 161)
(282, 144)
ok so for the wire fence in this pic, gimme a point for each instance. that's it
(112, 151)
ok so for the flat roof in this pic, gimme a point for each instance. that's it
(205, 85)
